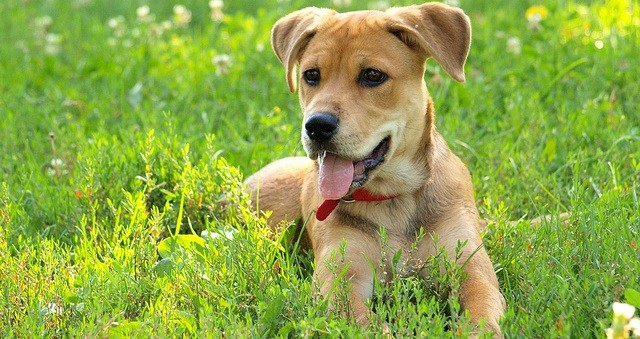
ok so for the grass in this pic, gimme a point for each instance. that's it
(115, 135)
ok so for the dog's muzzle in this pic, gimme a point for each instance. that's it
(320, 127)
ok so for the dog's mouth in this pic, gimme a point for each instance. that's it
(338, 175)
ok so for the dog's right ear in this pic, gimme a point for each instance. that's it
(291, 34)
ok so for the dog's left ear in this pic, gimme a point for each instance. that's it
(442, 32)
(291, 34)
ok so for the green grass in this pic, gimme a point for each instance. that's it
(150, 137)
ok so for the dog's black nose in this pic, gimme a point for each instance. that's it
(321, 126)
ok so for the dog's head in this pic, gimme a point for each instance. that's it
(362, 88)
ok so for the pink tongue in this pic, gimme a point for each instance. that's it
(336, 175)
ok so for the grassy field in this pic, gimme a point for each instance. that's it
(121, 126)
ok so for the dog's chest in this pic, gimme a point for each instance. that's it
(397, 217)
(400, 226)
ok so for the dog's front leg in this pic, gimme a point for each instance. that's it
(479, 292)
(480, 295)
(346, 255)
(277, 186)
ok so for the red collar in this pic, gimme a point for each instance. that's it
(327, 206)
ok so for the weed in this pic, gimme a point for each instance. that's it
(127, 129)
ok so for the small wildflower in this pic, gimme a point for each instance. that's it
(514, 46)
(216, 10)
(623, 322)
(181, 15)
(57, 167)
(623, 310)
(454, 3)
(43, 23)
(143, 13)
(52, 44)
(534, 15)
(634, 326)
(222, 63)
(213, 4)
(157, 29)
(57, 162)
(379, 5)
(341, 3)
(117, 25)
(112, 23)
(500, 34)
(166, 24)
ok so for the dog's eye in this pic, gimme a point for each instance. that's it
(372, 77)
(311, 76)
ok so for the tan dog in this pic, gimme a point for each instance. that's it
(375, 159)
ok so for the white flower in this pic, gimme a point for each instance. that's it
(609, 333)
(117, 25)
(379, 5)
(341, 3)
(500, 34)
(514, 46)
(57, 167)
(623, 322)
(216, 10)
(143, 12)
(166, 24)
(222, 63)
(216, 4)
(57, 162)
(634, 326)
(454, 3)
(623, 310)
(52, 44)
(44, 22)
(52, 38)
(181, 15)
(113, 23)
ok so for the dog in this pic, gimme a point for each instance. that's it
(375, 159)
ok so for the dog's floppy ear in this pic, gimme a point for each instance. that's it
(442, 32)
(291, 34)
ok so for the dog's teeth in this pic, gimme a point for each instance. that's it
(321, 157)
